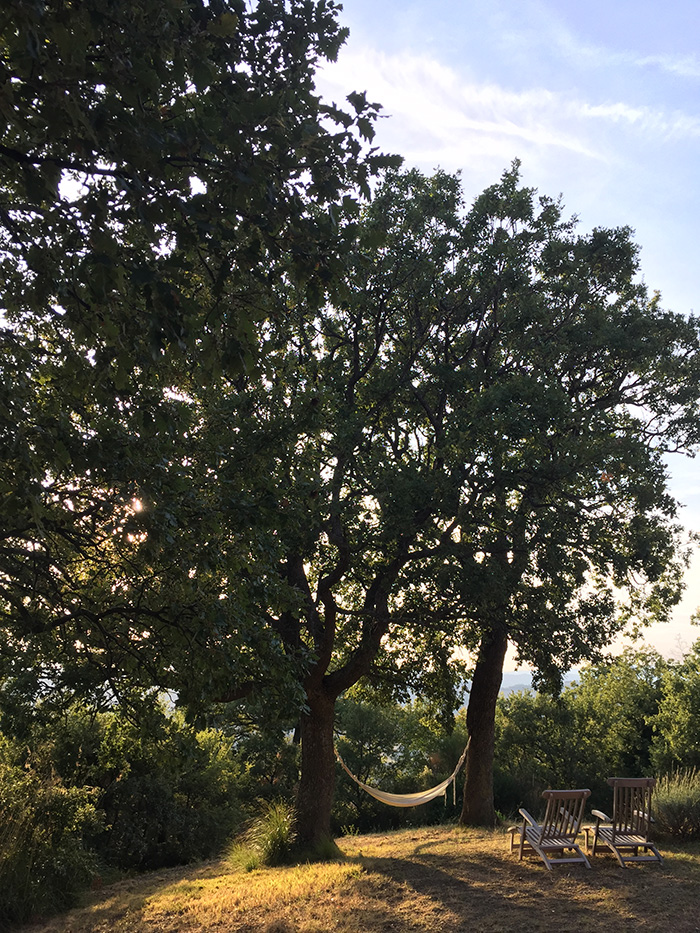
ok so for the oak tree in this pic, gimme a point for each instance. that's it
(466, 450)
(254, 445)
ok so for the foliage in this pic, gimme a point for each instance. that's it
(164, 166)
(599, 726)
(629, 716)
(677, 804)
(538, 745)
(45, 831)
(616, 702)
(94, 787)
(157, 158)
(472, 443)
(262, 743)
(254, 440)
(676, 743)
(463, 444)
(165, 792)
(169, 798)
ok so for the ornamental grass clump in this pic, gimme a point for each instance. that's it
(271, 836)
(677, 804)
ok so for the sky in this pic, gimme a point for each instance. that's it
(601, 104)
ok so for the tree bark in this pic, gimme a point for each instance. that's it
(317, 782)
(478, 806)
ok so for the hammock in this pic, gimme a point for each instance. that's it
(409, 800)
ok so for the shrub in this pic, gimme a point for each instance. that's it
(169, 796)
(44, 859)
(167, 793)
(677, 804)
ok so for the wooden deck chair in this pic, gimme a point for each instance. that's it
(557, 832)
(628, 830)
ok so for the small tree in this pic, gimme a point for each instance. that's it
(676, 740)
(616, 702)
(599, 726)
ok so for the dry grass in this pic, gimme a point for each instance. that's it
(441, 880)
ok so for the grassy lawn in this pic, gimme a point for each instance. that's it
(438, 879)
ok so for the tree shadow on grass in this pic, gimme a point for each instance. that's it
(119, 905)
(492, 892)
(474, 886)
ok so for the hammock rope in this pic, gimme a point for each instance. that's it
(410, 800)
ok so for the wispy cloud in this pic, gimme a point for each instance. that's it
(648, 121)
(438, 114)
(544, 33)
(681, 66)
(685, 66)
(431, 101)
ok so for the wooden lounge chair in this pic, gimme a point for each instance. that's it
(557, 832)
(628, 830)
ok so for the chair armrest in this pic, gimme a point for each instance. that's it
(600, 816)
(529, 819)
(512, 831)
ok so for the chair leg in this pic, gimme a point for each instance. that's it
(579, 851)
(618, 856)
(650, 847)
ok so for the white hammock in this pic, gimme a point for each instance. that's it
(409, 800)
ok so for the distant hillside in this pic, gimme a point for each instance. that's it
(522, 680)
(517, 680)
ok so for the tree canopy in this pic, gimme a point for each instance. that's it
(160, 162)
(164, 166)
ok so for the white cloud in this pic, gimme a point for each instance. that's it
(436, 111)
(547, 34)
(439, 116)
(685, 66)
(649, 122)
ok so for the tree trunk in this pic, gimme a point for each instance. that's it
(477, 807)
(317, 782)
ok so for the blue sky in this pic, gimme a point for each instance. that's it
(599, 101)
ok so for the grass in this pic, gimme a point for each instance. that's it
(677, 804)
(441, 880)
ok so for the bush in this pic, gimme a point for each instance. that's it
(169, 797)
(167, 793)
(44, 859)
(677, 804)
